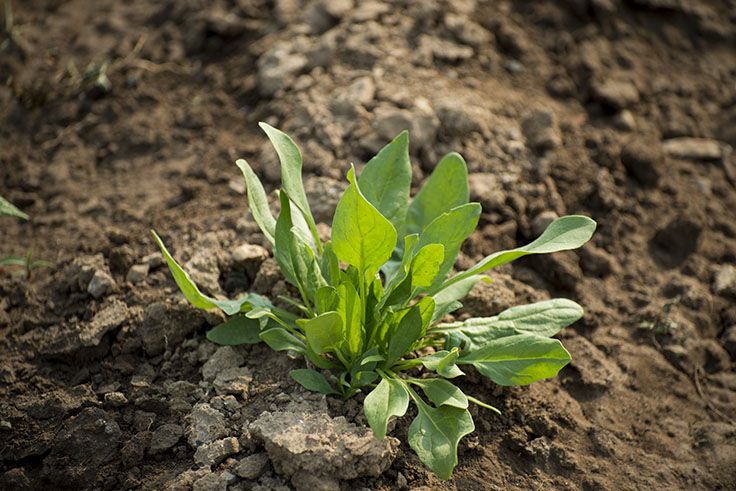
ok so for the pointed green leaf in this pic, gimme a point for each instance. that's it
(386, 180)
(444, 363)
(312, 380)
(445, 189)
(236, 330)
(426, 264)
(435, 433)
(326, 299)
(565, 233)
(442, 393)
(447, 298)
(349, 309)
(361, 236)
(257, 201)
(403, 336)
(8, 208)
(325, 332)
(518, 360)
(291, 172)
(279, 339)
(388, 399)
(199, 299)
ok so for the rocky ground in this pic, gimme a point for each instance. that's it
(117, 117)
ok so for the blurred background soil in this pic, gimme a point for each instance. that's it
(121, 116)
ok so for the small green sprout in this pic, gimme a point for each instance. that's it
(377, 292)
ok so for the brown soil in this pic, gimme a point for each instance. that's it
(650, 399)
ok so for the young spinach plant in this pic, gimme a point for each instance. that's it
(374, 296)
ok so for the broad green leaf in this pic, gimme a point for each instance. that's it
(312, 380)
(330, 265)
(14, 261)
(236, 330)
(435, 433)
(279, 339)
(442, 393)
(324, 332)
(518, 360)
(349, 308)
(326, 299)
(389, 398)
(257, 201)
(426, 264)
(403, 336)
(291, 172)
(397, 270)
(544, 319)
(386, 180)
(199, 299)
(565, 233)
(319, 361)
(450, 229)
(8, 208)
(361, 236)
(445, 189)
(444, 363)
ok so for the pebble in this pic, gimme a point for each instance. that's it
(137, 273)
(6, 426)
(100, 284)
(277, 68)
(225, 357)
(165, 437)
(617, 94)
(252, 466)
(724, 282)
(694, 148)
(643, 161)
(540, 130)
(206, 425)
(115, 399)
(217, 451)
(624, 120)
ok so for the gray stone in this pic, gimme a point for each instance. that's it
(165, 325)
(210, 482)
(695, 148)
(624, 120)
(617, 94)
(165, 437)
(278, 67)
(204, 269)
(540, 130)
(467, 31)
(225, 357)
(217, 451)
(137, 273)
(314, 443)
(643, 160)
(324, 194)
(110, 317)
(249, 257)
(252, 466)
(233, 381)
(421, 121)
(100, 284)
(206, 425)
(6, 426)
(115, 399)
(724, 282)
(459, 119)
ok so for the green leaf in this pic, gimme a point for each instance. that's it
(326, 299)
(196, 297)
(325, 332)
(518, 360)
(291, 172)
(14, 261)
(426, 264)
(257, 201)
(330, 265)
(349, 308)
(236, 330)
(435, 433)
(389, 398)
(442, 393)
(8, 208)
(403, 336)
(483, 404)
(386, 180)
(544, 319)
(565, 233)
(450, 229)
(312, 380)
(444, 363)
(445, 189)
(447, 298)
(361, 236)
(279, 339)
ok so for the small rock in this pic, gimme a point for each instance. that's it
(210, 482)
(249, 257)
(100, 284)
(724, 282)
(155, 259)
(206, 425)
(593, 372)
(624, 120)
(233, 381)
(401, 481)
(643, 161)
(168, 325)
(110, 317)
(542, 221)
(694, 148)
(467, 31)
(324, 193)
(115, 399)
(165, 437)
(540, 130)
(514, 67)
(421, 121)
(317, 444)
(485, 189)
(252, 466)
(324, 14)
(616, 94)
(137, 273)
(225, 357)
(597, 262)
(278, 67)
(729, 341)
(267, 277)
(459, 119)
(306, 481)
(204, 269)
(6, 426)
(15, 479)
(217, 451)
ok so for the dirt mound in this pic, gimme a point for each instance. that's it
(122, 116)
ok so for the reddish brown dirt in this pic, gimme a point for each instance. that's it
(650, 399)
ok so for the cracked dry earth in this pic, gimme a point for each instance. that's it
(116, 117)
